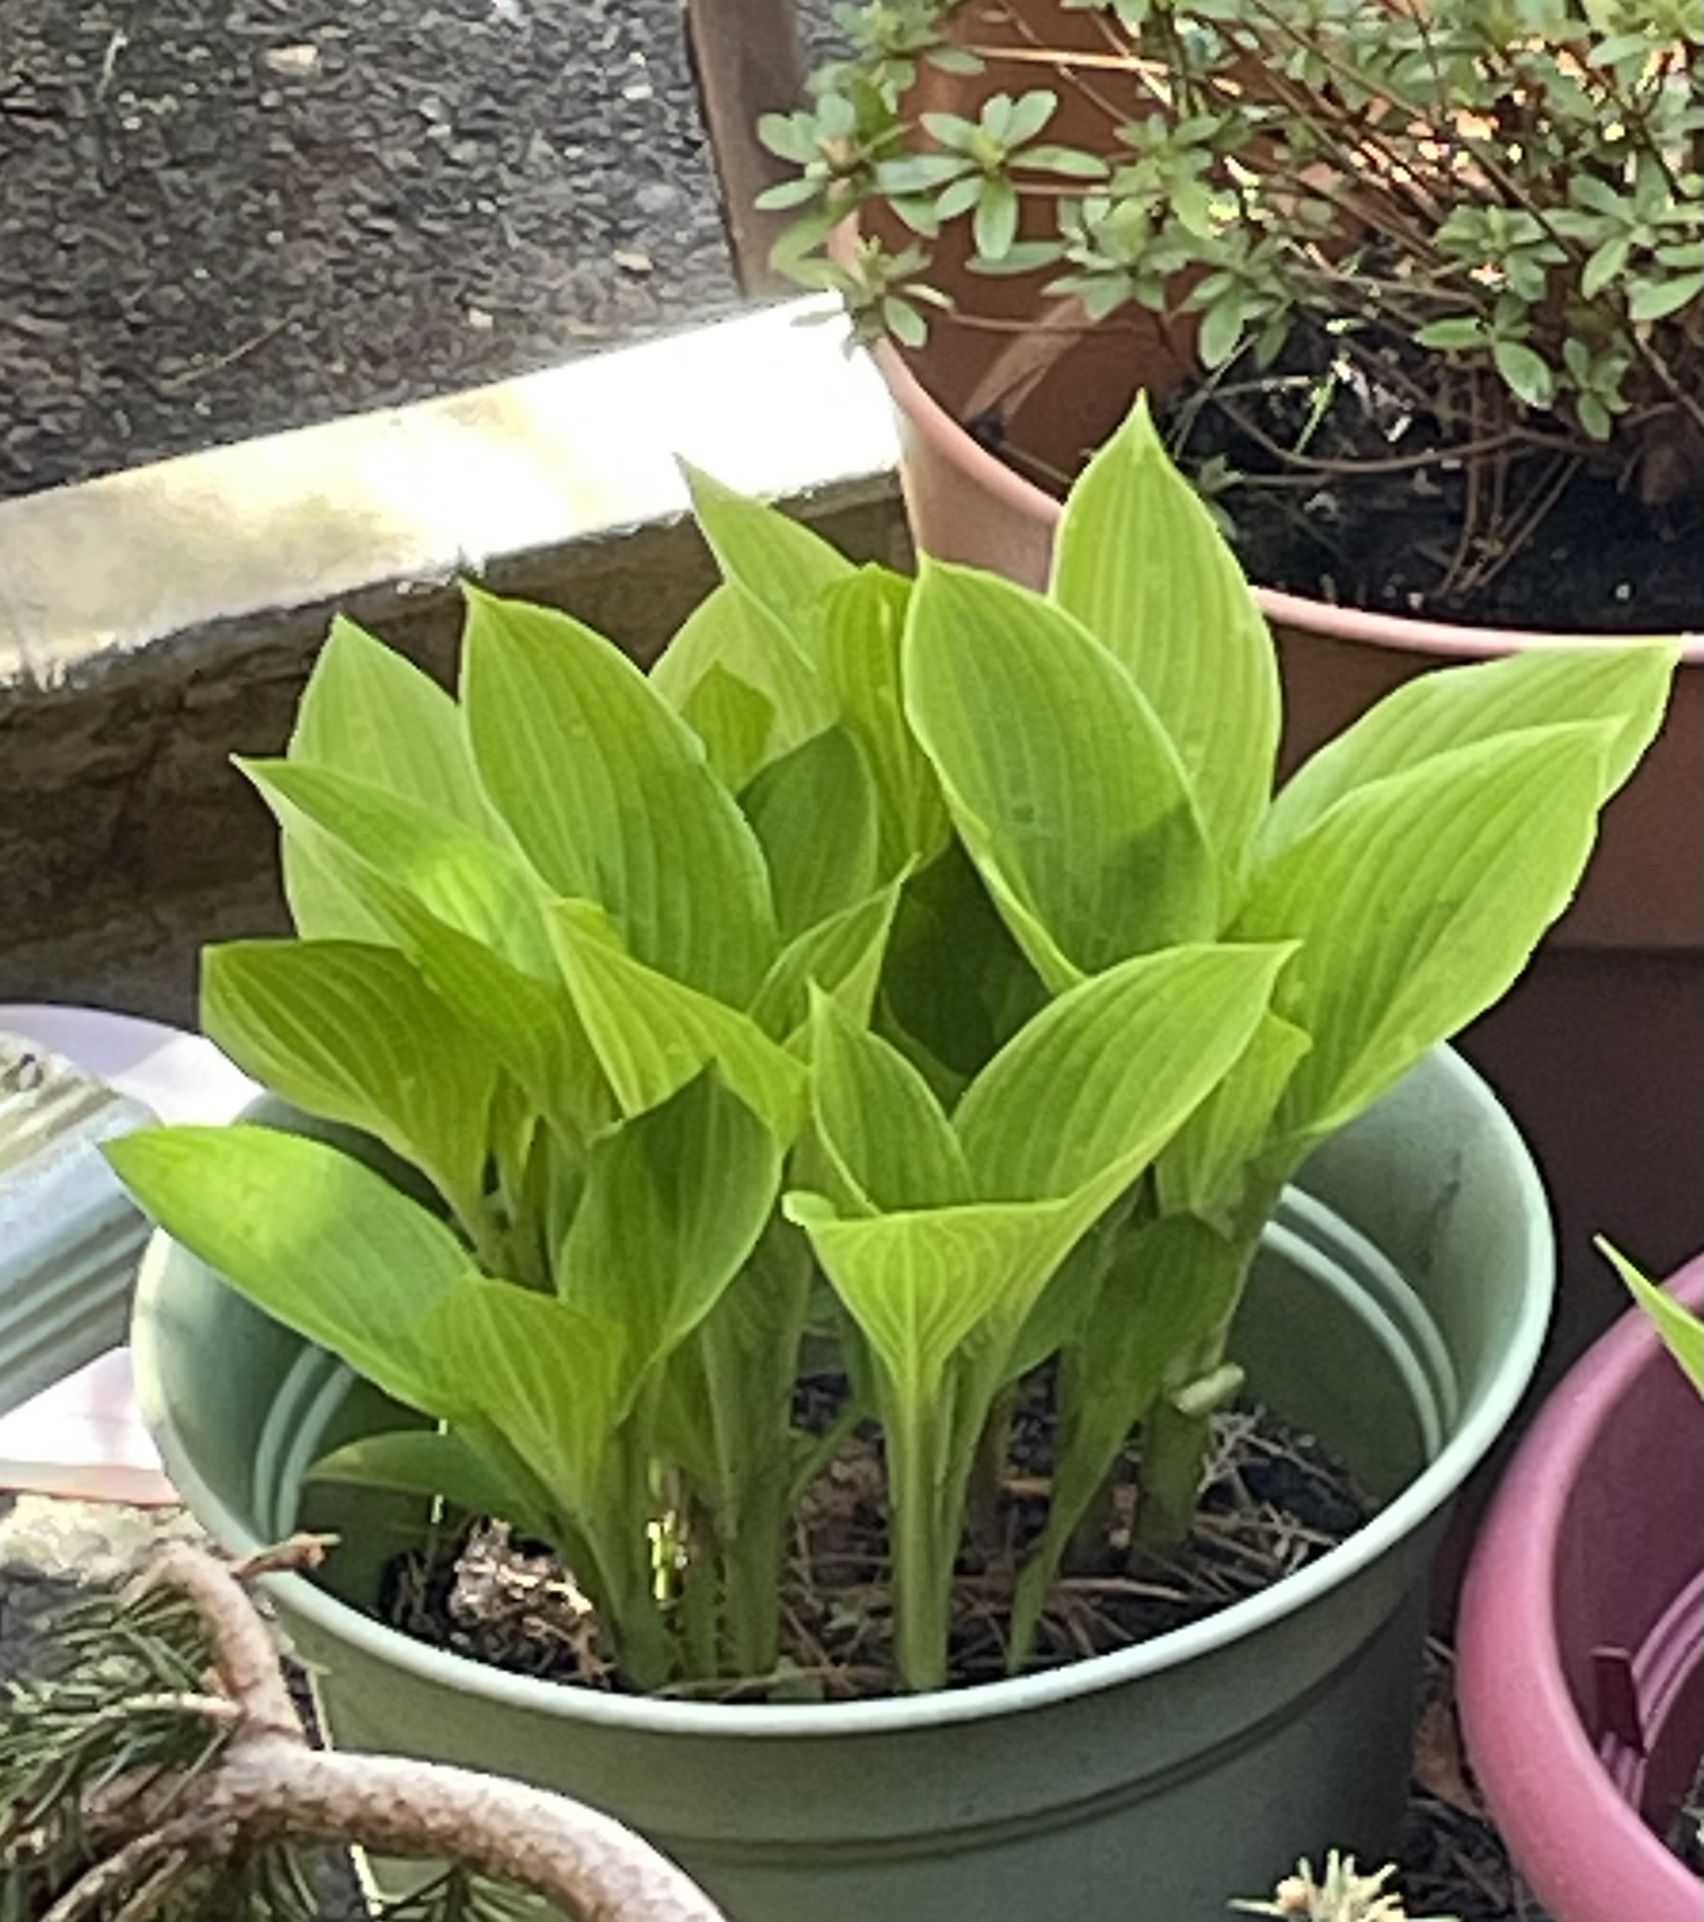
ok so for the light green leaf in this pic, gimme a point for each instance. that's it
(1084, 811)
(460, 875)
(780, 563)
(733, 719)
(864, 626)
(1106, 1074)
(733, 630)
(674, 1201)
(608, 792)
(544, 1375)
(1607, 263)
(529, 1024)
(891, 1144)
(814, 813)
(353, 1033)
(1206, 1166)
(441, 1464)
(369, 712)
(994, 226)
(1418, 900)
(652, 1034)
(1657, 299)
(1171, 1285)
(919, 1284)
(1680, 1329)
(956, 984)
(1457, 331)
(1526, 372)
(1141, 565)
(318, 1241)
(1454, 707)
(842, 955)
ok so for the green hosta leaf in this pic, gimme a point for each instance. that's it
(1139, 562)
(546, 1376)
(1106, 1074)
(460, 875)
(1084, 813)
(674, 1201)
(1172, 1283)
(439, 1463)
(607, 790)
(1454, 707)
(919, 1283)
(956, 984)
(1206, 1167)
(733, 719)
(842, 955)
(653, 1034)
(864, 626)
(814, 812)
(369, 712)
(1418, 900)
(781, 564)
(733, 630)
(1680, 1329)
(353, 1033)
(318, 1241)
(891, 1144)
(529, 1023)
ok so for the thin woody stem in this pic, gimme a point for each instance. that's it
(268, 1785)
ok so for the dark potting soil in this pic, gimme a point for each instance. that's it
(1595, 556)
(226, 217)
(1275, 1501)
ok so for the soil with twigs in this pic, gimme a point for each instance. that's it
(1372, 512)
(1275, 1501)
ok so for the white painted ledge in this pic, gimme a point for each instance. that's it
(769, 402)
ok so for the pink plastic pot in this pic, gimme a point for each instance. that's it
(1582, 1634)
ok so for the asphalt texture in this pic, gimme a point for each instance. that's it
(220, 218)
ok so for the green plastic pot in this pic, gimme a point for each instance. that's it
(1396, 1311)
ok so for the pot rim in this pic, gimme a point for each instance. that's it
(1508, 1642)
(1447, 640)
(1471, 1435)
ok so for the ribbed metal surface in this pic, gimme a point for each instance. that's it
(69, 1236)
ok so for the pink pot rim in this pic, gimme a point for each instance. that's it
(1445, 639)
(1564, 1820)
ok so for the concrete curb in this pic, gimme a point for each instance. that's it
(154, 622)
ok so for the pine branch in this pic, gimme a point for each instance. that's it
(140, 1795)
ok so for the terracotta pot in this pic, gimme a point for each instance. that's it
(1582, 1634)
(1599, 1051)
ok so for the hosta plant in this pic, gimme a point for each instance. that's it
(1681, 1330)
(931, 956)
(1471, 230)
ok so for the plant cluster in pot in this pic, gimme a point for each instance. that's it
(921, 981)
(1582, 1632)
(1419, 290)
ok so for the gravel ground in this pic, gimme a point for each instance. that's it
(225, 217)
